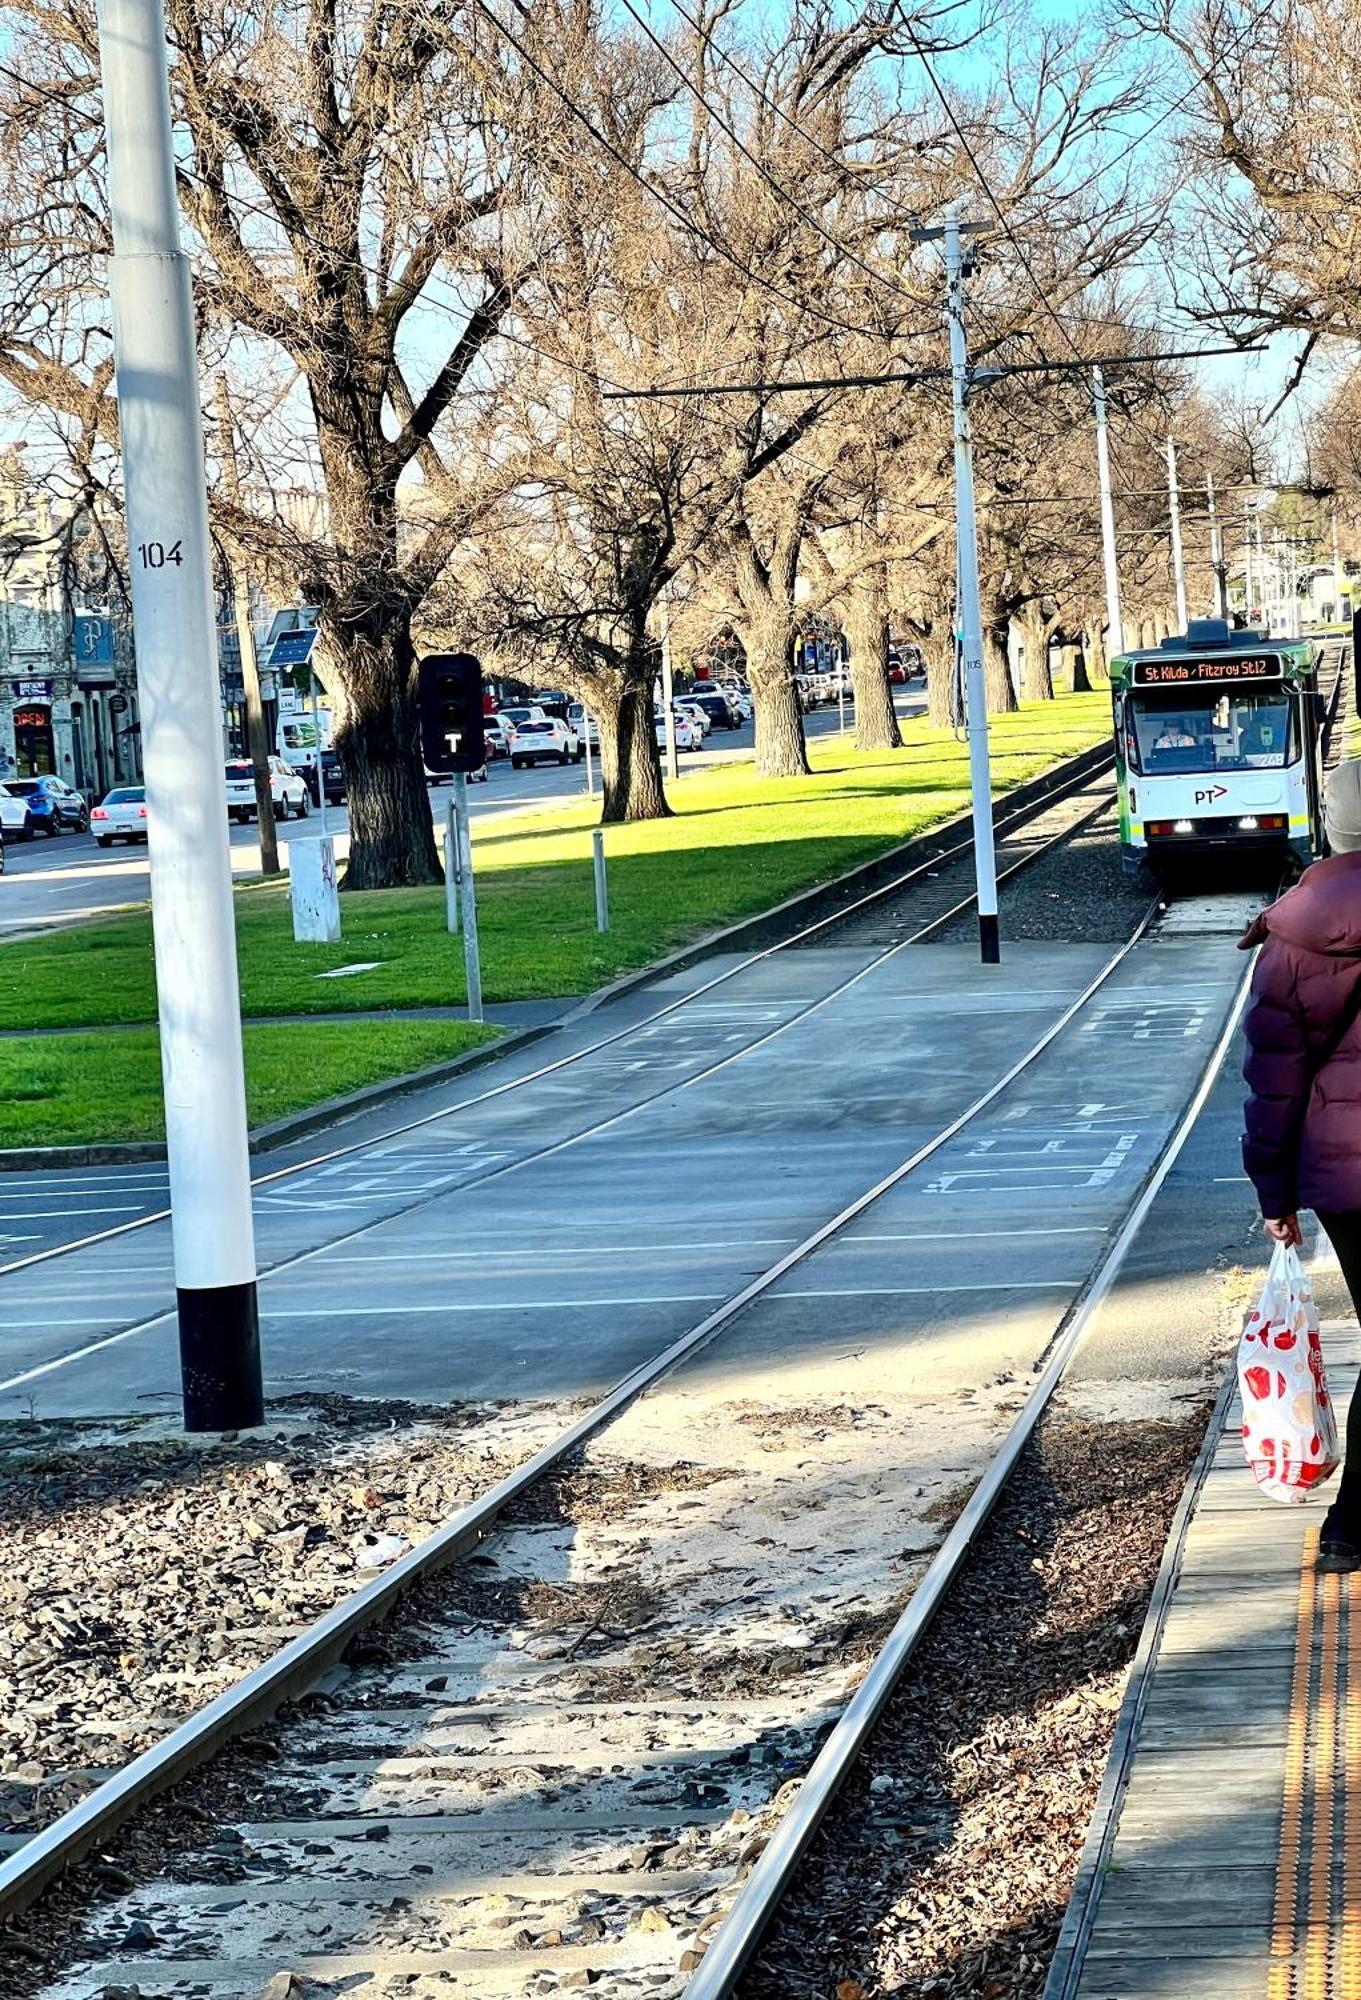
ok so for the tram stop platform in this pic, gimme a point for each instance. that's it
(1224, 1858)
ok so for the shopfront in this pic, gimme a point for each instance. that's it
(35, 750)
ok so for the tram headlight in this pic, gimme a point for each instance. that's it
(1248, 825)
(1183, 826)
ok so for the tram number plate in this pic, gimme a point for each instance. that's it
(1164, 673)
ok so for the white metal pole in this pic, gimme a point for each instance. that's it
(1217, 551)
(1247, 563)
(176, 636)
(472, 956)
(316, 746)
(451, 868)
(1259, 566)
(586, 740)
(668, 713)
(602, 897)
(966, 529)
(1337, 570)
(1115, 629)
(1174, 508)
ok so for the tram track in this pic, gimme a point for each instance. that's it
(299, 1665)
(1009, 826)
(711, 1964)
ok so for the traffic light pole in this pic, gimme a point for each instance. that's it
(1115, 631)
(176, 635)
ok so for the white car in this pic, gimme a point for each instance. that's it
(584, 724)
(687, 735)
(494, 736)
(511, 718)
(738, 696)
(16, 821)
(544, 739)
(700, 722)
(287, 789)
(122, 816)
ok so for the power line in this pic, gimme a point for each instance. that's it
(843, 249)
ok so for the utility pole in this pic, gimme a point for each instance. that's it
(1115, 628)
(668, 713)
(949, 236)
(1221, 574)
(1247, 563)
(1174, 505)
(1337, 569)
(175, 628)
(257, 743)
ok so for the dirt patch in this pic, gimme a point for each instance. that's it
(943, 1869)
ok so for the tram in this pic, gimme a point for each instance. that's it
(1218, 747)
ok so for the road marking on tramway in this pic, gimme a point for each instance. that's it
(55, 1214)
(542, 1250)
(970, 1235)
(946, 1285)
(483, 1306)
(1149, 1021)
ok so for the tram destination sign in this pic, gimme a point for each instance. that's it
(1181, 672)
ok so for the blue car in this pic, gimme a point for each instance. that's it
(52, 803)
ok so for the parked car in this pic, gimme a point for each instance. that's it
(544, 740)
(687, 733)
(332, 777)
(477, 777)
(52, 802)
(583, 725)
(16, 820)
(495, 738)
(288, 790)
(714, 702)
(121, 816)
(739, 697)
(511, 718)
(554, 701)
(701, 722)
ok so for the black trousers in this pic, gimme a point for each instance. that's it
(1344, 1233)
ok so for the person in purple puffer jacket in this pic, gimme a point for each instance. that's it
(1302, 1137)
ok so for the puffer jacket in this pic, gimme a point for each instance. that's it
(1302, 1142)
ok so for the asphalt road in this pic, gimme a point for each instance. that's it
(53, 882)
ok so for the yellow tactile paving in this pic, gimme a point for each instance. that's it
(1281, 1982)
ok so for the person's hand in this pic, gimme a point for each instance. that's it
(1286, 1229)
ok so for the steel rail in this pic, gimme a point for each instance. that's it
(1008, 825)
(40, 1370)
(760, 1896)
(296, 1666)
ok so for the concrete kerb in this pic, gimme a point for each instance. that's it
(783, 920)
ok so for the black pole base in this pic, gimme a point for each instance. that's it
(989, 943)
(220, 1358)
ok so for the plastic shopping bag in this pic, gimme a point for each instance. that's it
(1289, 1425)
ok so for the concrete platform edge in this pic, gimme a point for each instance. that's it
(1074, 1935)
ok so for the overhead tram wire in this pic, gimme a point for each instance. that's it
(686, 221)
(842, 248)
(432, 304)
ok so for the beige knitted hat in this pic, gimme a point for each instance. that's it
(1342, 808)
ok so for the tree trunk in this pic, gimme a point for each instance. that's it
(392, 839)
(938, 650)
(1039, 677)
(1080, 682)
(876, 720)
(780, 748)
(630, 762)
(1001, 689)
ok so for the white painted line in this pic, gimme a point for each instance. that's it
(53, 1214)
(973, 1235)
(542, 1249)
(346, 1312)
(1232, 1180)
(948, 1284)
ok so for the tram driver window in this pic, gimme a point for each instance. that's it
(1230, 731)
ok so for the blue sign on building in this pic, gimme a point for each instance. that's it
(93, 641)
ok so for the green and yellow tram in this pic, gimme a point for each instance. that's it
(1218, 747)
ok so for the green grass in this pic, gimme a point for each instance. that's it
(736, 844)
(69, 1090)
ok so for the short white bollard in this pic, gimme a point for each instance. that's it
(315, 892)
(602, 897)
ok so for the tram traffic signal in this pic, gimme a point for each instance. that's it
(449, 694)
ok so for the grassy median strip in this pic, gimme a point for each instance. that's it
(83, 1089)
(736, 845)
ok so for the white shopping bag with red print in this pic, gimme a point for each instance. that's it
(1289, 1426)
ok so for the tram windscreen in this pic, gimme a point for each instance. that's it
(1209, 729)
